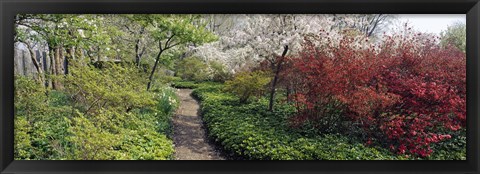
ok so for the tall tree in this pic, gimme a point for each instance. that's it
(367, 24)
(455, 35)
(65, 36)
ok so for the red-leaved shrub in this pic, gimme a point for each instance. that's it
(407, 91)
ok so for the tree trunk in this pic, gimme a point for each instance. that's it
(70, 56)
(52, 67)
(58, 67)
(275, 78)
(137, 54)
(62, 60)
(98, 54)
(161, 49)
(153, 70)
(37, 65)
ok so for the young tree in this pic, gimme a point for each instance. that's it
(173, 30)
(135, 35)
(246, 84)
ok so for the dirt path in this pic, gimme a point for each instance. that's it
(189, 135)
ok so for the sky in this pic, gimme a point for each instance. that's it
(431, 23)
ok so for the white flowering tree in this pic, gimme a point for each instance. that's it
(250, 39)
(247, 39)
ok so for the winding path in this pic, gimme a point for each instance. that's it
(189, 136)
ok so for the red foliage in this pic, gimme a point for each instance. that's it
(407, 91)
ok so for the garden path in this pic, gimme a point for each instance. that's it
(189, 135)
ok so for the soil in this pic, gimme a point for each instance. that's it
(189, 135)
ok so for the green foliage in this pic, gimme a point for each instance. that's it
(185, 84)
(138, 138)
(66, 30)
(192, 69)
(194, 85)
(89, 140)
(219, 73)
(114, 86)
(29, 96)
(23, 143)
(251, 132)
(247, 84)
(453, 149)
(182, 26)
(144, 144)
(167, 103)
(455, 35)
(39, 123)
(163, 76)
(103, 114)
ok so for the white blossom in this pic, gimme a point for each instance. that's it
(249, 39)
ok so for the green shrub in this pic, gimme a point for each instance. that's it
(184, 84)
(194, 85)
(247, 84)
(162, 77)
(192, 69)
(39, 121)
(89, 140)
(102, 114)
(219, 73)
(29, 97)
(113, 86)
(23, 142)
(153, 146)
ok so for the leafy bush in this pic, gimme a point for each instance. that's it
(184, 84)
(219, 73)
(192, 69)
(39, 123)
(89, 141)
(115, 86)
(23, 141)
(247, 84)
(164, 76)
(103, 114)
(251, 132)
(407, 95)
(194, 85)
